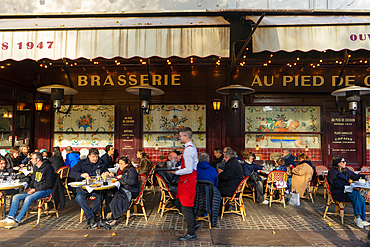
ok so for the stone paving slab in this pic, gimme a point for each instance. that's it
(306, 220)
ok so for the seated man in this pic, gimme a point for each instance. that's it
(72, 158)
(205, 171)
(171, 179)
(221, 165)
(40, 187)
(87, 168)
(107, 157)
(231, 176)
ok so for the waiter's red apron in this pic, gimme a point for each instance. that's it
(186, 189)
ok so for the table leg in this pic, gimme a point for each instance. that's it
(4, 206)
(101, 223)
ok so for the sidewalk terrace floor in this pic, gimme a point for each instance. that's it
(264, 226)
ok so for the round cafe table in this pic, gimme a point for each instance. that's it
(9, 186)
(101, 189)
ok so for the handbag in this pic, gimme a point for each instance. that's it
(295, 199)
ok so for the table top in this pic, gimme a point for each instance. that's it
(25, 171)
(9, 186)
(102, 187)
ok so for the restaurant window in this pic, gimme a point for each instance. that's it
(84, 127)
(6, 129)
(162, 125)
(271, 129)
(22, 133)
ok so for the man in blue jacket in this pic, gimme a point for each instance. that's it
(288, 158)
(87, 168)
(40, 187)
(72, 158)
(205, 171)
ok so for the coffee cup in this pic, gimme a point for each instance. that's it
(361, 181)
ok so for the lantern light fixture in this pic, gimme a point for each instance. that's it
(216, 104)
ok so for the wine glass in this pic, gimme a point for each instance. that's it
(12, 175)
(97, 174)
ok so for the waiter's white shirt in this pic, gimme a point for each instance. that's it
(190, 157)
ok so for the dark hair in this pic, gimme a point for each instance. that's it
(336, 160)
(187, 131)
(3, 158)
(287, 150)
(69, 149)
(218, 150)
(38, 155)
(12, 151)
(107, 148)
(280, 162)
(93, 151)
(142, 153)
(127, 161)
(56, 151)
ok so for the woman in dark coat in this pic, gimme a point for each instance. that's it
(13, 159)
(338, 177)
(129, 189)
(56, 159)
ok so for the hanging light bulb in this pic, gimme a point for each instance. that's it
(256, 147)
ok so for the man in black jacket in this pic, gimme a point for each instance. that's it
(107, 157)
(87, 168)
(217, 152)
(231, 176)
(39, 187)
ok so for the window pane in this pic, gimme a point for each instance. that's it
(24, 96)
(7, 92)
(23, 124)
(171, 118)
(6, 117)
(296, 143)
(282, 119)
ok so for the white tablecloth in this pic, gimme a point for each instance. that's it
(90, 189)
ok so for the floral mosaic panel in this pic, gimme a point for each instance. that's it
(86, 118)
(282, 119)
(367, 119)
(83, 140)
(171, 140)
(171, 118)
(267, 140)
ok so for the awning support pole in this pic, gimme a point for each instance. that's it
(243, 48)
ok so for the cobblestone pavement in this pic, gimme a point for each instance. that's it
(306, 220)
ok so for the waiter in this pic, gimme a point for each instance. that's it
(186, 189)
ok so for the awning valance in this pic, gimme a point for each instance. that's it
(73, 38)
(305, 33)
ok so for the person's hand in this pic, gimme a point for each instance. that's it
(291, 166)
(111, 174)
(106, 174)
(219, 171)
(85, 175)
(119, 177)
(367, 197)
(30, 191)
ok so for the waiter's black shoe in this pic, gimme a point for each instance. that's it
(188, 237)
(92, 223)
(198, 226)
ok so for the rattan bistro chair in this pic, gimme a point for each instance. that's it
(166, 196)
(63, 173)
(249, 191)
(235, 200)
(339, 205)
(42, 207)
(320, 178)
(138, 201)
(150, 178)
(272, 178)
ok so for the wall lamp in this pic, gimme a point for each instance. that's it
(57, 93)
(235, 93)
(145, 93)
(352, 95)
(39, 104)
(216, 104)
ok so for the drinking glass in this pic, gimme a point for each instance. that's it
(97, 175)
(12, 175)
(1, 176)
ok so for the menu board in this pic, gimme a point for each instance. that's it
(343, 137)
(129, 129)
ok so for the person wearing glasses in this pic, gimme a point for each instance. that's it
(39, 187)
(338, 177)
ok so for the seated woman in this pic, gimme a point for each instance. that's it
(280, 165)
(4, 170)
(129, 189)
(254, 180)
(13, 159)
(301, 174)
(338, 177)
(145, 164)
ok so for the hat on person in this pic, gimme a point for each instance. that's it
(336, 161)
(43, 150)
